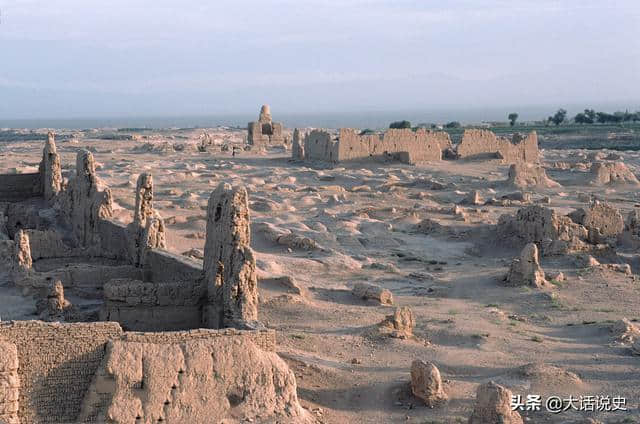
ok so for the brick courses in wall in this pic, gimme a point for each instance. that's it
(51, 366)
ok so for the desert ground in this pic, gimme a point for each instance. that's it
(360, 222)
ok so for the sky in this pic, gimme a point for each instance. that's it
(78, 58)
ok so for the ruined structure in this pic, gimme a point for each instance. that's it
(630, 236)
(50, 170)
(478, 144)
(610, 173)
(555, 234)
(524, 175)
(147, 229)
(265, 132)
(297, 147)
(58, 236)
(581, 230)
(525, 270)
(404, 145)
(94, 372)
(601, 220)
(229, 262)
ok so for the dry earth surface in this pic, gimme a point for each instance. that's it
(358, 223)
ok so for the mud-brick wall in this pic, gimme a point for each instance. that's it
(56, 365)
(484, 143)
(9, 383)
(146, 306)
(320, 146)
(114, 239)
(19, 187)
(264, 339)
(164, 266)
(404, 144)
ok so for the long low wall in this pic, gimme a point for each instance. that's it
(147, 306)
(114, 239)
(163, 266)
(401, 144)
(57, 362)
(405, 145)
(484, 143)
(19, 187)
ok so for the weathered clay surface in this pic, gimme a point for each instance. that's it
(493, 405)
(90, 201)
(485, 144)
(526, 270)
(610, 173)
(400, 324)
(9, 383)
(529, 175)
(54, 307)
(373, 292)
(147, 230)
(297, 148)
(426, 383)
(196, 382)
(50, 169)
(602, 220)
(543, 226)
(23, 252)
(229, 262)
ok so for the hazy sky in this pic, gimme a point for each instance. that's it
(79, 58)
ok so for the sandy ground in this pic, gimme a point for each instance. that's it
(362, 218)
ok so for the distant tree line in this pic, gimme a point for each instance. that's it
(590, 116)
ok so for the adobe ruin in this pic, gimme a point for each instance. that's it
(412, 146)
(484, 144)
(150, 309)
(404, 145)
(265, 132)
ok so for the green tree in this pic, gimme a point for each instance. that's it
(559, 117)
(452, 124)
(513, 117)
(400, 124)
(580, 118)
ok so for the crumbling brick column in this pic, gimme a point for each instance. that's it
(89, 203)
(147, 230)
(297, 149)
(50, 170)
(229, 262)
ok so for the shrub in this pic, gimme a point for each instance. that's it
(400, 124)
